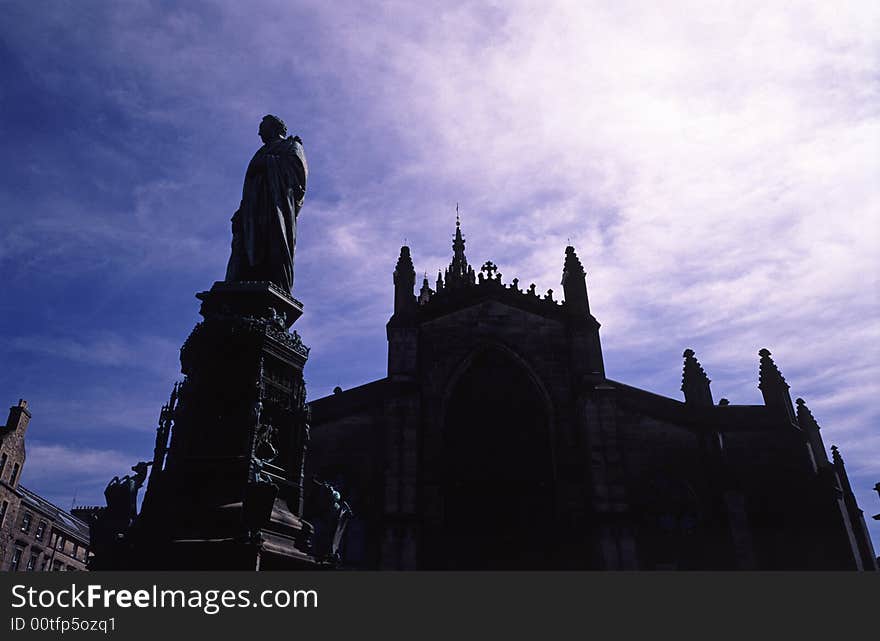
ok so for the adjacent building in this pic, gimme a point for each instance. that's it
(35, 535)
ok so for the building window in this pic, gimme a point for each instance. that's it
(41, 531)
(26, 522)
(16, 559)
(45, 564)
(14, 474)
(3, 460)
(59, 543)
(3, 508)
(32, 563)
(56, 566)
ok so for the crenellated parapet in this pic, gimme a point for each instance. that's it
(459, 285)
(487, 284)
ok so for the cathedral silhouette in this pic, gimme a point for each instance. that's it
(496, 441)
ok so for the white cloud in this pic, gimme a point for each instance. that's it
(714, 163)
(153, 353)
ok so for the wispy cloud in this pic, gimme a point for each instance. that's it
(60, 472)
(111, 349)
(714, 164)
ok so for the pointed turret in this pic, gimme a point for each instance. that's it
(773, 386)
(401, 329)
(811, 429)
(404, 283)
(583, 328)
(694, 382)
(574, 284)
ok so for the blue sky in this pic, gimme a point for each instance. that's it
(714, 164)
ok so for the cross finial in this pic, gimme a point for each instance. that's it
(457, 218)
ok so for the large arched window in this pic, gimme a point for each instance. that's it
(498, 473)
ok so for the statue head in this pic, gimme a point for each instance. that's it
(272, 128)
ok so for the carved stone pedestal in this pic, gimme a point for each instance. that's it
(229, 493)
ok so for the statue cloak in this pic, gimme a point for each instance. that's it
(264, 227)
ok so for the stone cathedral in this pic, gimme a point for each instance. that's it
(496, 441)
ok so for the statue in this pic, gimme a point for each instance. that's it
(121, 495)
(110, 526)
(264, 227)
(332, 514)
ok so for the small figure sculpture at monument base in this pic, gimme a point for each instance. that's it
(330, 515)
(110, 526)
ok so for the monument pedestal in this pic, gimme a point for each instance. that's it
(226, 486)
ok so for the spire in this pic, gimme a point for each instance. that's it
(773, 386)
(459, 272)
(574, 284)
(811, 428)
(694, 382)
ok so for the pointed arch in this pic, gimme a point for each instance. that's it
(498, 468)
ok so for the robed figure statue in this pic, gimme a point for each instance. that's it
(264, 227)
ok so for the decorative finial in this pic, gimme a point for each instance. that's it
(489, 268)
(835, 455)
(574, 284)
(810, 425)
(694, 382)
(768, 372)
